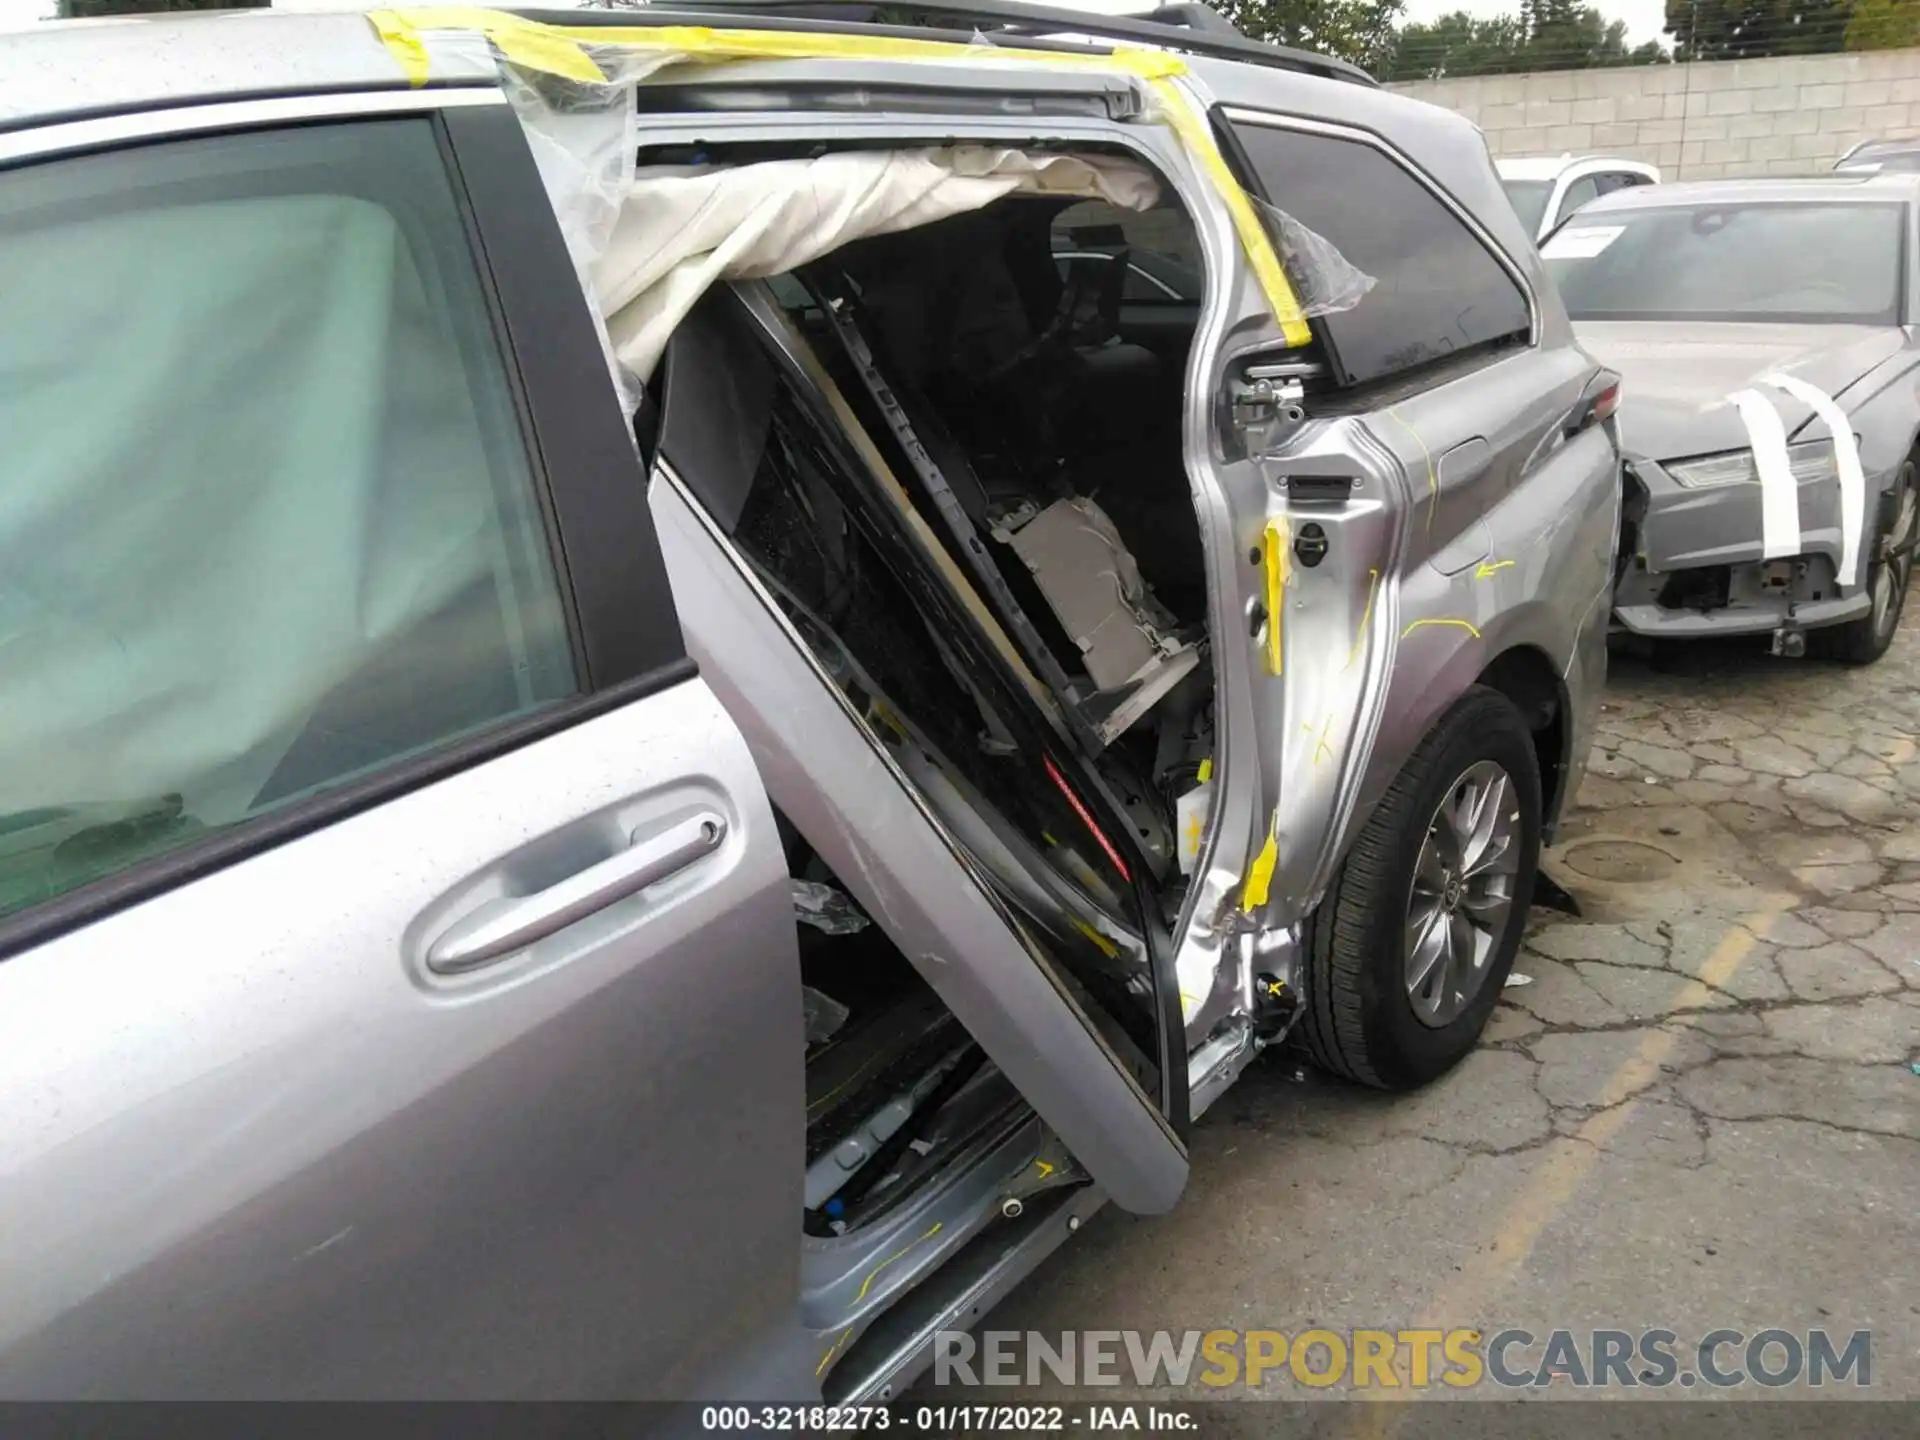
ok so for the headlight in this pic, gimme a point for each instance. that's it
(1807, 462)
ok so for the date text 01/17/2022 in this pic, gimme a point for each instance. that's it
(945, 1419)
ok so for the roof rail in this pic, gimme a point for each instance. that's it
(1186, 26)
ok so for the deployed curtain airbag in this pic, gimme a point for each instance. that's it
(678, 234)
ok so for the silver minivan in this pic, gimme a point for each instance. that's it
(603, 807)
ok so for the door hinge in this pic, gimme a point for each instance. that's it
(1269, 402)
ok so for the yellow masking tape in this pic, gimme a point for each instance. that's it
(1206, 770)
(1273, 555)
(1197, 136)
(403, 42)
(1101, 942)
(1260, 875)
(562, 50)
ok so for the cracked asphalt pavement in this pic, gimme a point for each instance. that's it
(1702, 1112)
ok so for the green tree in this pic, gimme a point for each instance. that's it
(1457, 44)
(1546, 35)
(92, 9)
(1743, 29)
(1360, 31)
(1883, 25)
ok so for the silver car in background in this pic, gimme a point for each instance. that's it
(1767, 333)
(1871, 157)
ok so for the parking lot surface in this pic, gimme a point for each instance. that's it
(1702, 1112)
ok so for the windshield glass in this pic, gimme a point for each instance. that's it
(1816, 263)
(1529, 200)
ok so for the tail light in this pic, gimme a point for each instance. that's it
(1599, 402)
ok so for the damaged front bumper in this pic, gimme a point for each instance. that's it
(1763, 597)
(1699, 568)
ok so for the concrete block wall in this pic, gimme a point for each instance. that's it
(1785, 116)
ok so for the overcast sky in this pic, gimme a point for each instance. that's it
(1643, 17)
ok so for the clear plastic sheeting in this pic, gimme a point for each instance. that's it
(826, 909)
(648, 245)
(824, 1014)
(1324, 281)
(615, 57)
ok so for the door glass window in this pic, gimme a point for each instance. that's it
(1580, 192)
(267, 521)
(1438, 291)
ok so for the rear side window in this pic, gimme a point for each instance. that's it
(1438, 291)
(267, 521)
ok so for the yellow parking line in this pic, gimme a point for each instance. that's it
(1559, 1176)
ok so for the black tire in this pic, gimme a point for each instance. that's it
(1357, 1017)
(1889, 563)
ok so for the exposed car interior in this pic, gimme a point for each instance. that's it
(896, 1087)
(970, 425)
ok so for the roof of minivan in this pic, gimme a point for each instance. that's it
(66, 70)
(62, 69)
(1731, 192)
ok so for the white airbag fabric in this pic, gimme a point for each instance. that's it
(679, 234)
(201, 534)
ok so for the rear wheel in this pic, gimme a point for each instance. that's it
(1889, 570)
(1408, 952)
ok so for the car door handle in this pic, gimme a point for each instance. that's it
(502, 926)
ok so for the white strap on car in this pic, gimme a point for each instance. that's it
(1779, 495)
(1846, 455)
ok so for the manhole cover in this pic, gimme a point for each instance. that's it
(1621, 861)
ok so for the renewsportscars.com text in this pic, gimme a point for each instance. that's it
(1405, 1359)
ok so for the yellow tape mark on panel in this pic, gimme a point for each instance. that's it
(1366, 614)
(1206, 770)
(832, 1350)
(564, 50)
(1466, 625)
(1321, 746)
(1273, 558)
(867, 1283)
(1484, 571)
(1433, 476)
(1260, 874)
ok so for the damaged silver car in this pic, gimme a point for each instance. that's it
(663, 716)
(1766, 330)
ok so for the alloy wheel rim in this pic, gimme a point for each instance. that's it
(1462, 893)
(1895, 568)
